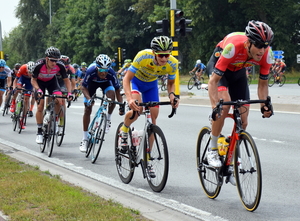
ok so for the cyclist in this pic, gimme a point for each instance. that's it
(228, 80)
(279, 67)
(5, 78)
(83, 69)
(140, 82)
(23, 80)
(44, 77)
(78, 80)
(200, 69)
(99, 74)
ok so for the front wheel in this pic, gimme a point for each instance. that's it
(124, 157)
(60, 133)
(7, 103)
(207, 175)
(51, 135)
(98, 138)
(271, 81)
(247, 172)
(156, 158)
(191, 83)
(282, 82)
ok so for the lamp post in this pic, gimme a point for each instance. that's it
(50, 17)
(1, 51)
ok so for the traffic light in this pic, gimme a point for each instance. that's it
(123, 54)
(6, 57)
(165, 27)
(181, 23)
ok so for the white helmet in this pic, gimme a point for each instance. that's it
(103, 61)
(198, 61)
(30, 66)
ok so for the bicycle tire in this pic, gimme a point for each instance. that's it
(14, 121)
(247, 170)
(191, 83)
(208, 178)
(271, 81)
(60, 137)
(124, 161)
(201, 82)
(158, 159)
(98, 138)
(7, 104)
(51, 135)
(21, 117)
(91, 132)
(282, 82)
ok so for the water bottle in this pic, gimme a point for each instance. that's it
(18, 108)
(222, 145)
(46, 117)
(135, 138)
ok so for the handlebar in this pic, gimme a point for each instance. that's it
(53, 96)
(218, 109)
(153, 104)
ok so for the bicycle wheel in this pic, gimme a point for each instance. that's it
(271, 81)
(207, 175)
(200, 84)
(191, 83)
(124, 161)
(51, 135)
(22, 118)
(7, 103)
(98, 138)
(60, 133)
(157, 159)
(247, 172)
(282, 82)
(15, 118)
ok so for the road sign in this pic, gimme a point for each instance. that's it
(298, 58)
(278, 56)
(278, 52)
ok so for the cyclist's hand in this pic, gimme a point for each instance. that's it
(174, 100)
(39, 93)
(133, 105)
(70, 96)
(122, 110)
(267, 111)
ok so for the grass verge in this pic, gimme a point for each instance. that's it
(30, 194)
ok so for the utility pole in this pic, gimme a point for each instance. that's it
(50, 12)
(1, 49)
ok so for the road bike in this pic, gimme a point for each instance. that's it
(150, 151)
(97, 127)
(19, 117)
(274, 78)
(242, 155)
(8, 96)
(195, 82)
(50, 123)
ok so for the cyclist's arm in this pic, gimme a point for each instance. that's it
(85, 92)
(263, 92)
(171, 89)
(213, 89)
(126, 86)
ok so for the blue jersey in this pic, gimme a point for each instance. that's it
(78, 73)
(5, 73)
(92, 76)
(200, 66)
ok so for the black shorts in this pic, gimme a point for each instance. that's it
(51, 86)
(93, 86)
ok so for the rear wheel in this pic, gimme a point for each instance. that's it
(51, 135)
(124, 161)
(247, 172)
(191, 83)
(208, 175)
(282, 82)
(156, 159)
(22, 119)
(98, 138)
(7, 103)
(60, 133)
(200, 84)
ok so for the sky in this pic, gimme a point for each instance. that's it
(7, 16)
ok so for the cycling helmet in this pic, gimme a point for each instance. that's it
(75, 66)
(198, 61)
(259, 32)
(65, 59)
(161, 43)
(83, 64)
(52, 52)
(30, 66)
(103, 61)
(17, 66)
(2, 63)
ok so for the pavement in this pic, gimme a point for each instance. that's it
(137, 199)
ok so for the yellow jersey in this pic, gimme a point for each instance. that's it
(146, 70)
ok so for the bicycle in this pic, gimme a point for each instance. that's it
(97, 127)
(274, 77)
(242, 153)
(50, 123)
(193, 81)
(8, 96)
(19, 117)
(150, 151)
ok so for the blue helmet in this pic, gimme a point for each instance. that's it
(2, 63)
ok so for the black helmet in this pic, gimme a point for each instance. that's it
(52, 52)
(75, 66)
(161, 43)
(17, 66)
(65, 59)
(260, 32)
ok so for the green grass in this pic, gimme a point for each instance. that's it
(29, 194)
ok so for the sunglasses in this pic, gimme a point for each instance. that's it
(161, 55)
(53, 60)
(1, 67)
(260, 45)
(102, 70)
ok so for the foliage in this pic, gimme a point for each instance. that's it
(82, 29)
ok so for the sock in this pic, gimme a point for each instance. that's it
(85, 135)
(108, 117)
(213, 145)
